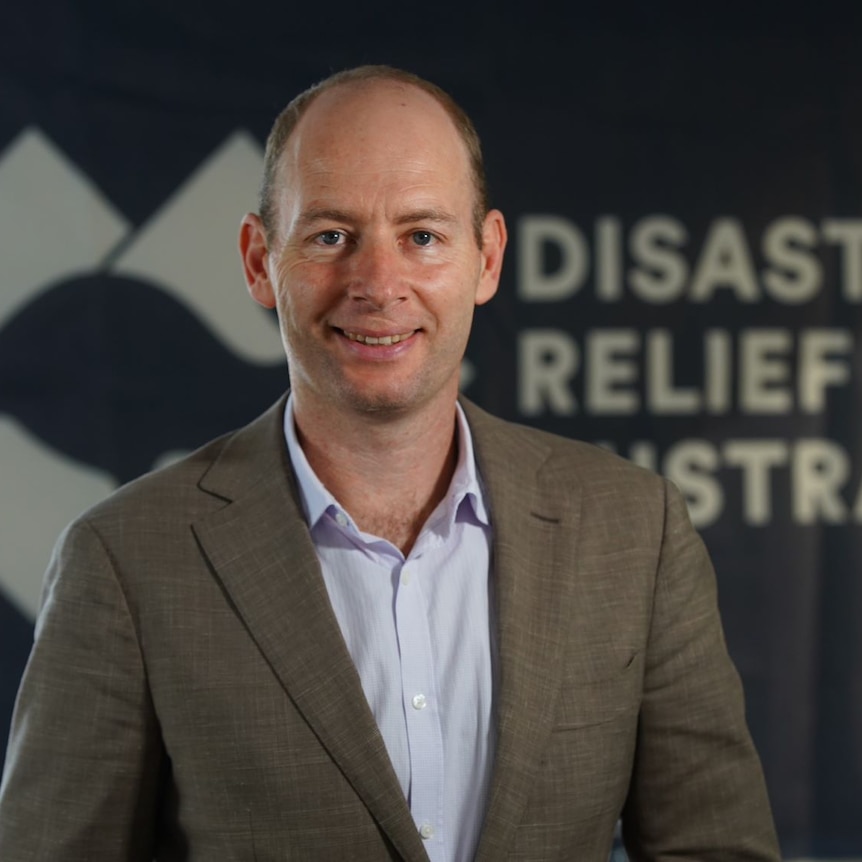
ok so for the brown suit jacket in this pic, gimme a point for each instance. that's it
(190, 697)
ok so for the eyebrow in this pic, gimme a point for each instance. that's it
(428, 214)
(316, 214)
(425, 215)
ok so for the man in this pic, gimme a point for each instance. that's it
(375, 624)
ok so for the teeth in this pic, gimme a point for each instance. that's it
(383, 339)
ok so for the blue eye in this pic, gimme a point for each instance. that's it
(423, 237)
(330, 237)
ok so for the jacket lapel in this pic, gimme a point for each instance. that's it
(535, 533)
(259, 548)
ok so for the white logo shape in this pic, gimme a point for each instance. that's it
(55, 224)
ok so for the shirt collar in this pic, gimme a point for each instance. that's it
(317, 500)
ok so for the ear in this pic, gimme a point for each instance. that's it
(493, 245)
(255, 260)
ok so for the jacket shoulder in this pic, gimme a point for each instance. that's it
(199, 482)
(569, 459)
(174, 486)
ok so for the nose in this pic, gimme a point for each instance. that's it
(376, 274)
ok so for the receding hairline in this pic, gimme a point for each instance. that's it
(366, 76)
(341, 96)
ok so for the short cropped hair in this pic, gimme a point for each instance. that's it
(288, 119)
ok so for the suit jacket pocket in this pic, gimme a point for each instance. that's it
(587, 698)
(585, 767)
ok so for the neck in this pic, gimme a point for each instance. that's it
(388, 472)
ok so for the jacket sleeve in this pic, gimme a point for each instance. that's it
(84, 756)
(697, 790)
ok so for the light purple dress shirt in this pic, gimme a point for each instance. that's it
(419, 631)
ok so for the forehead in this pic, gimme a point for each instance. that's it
(363, 127)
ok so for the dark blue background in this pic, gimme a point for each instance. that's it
(750, 113)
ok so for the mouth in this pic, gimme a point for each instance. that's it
(383, 340)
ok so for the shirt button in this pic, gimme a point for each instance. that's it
(426, 830)
(341, 519)
(405, 576)
(419, 701)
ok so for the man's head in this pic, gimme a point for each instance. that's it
(373, 256)
(287, 121)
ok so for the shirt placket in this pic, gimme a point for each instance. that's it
(421, 710)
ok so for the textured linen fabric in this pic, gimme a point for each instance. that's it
(190, 696)
(419, 632)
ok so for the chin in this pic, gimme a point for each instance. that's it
(389, 394)
(381, 404)
(382, 401)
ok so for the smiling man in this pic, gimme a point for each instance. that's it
(378, 623)
(374, 265)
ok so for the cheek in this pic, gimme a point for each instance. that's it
(451, 285)
(292, 317)
(301, 296)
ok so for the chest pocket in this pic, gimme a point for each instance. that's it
(591, 696)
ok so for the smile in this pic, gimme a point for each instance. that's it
(382, 339)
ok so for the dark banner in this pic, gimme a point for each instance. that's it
(683, 285)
